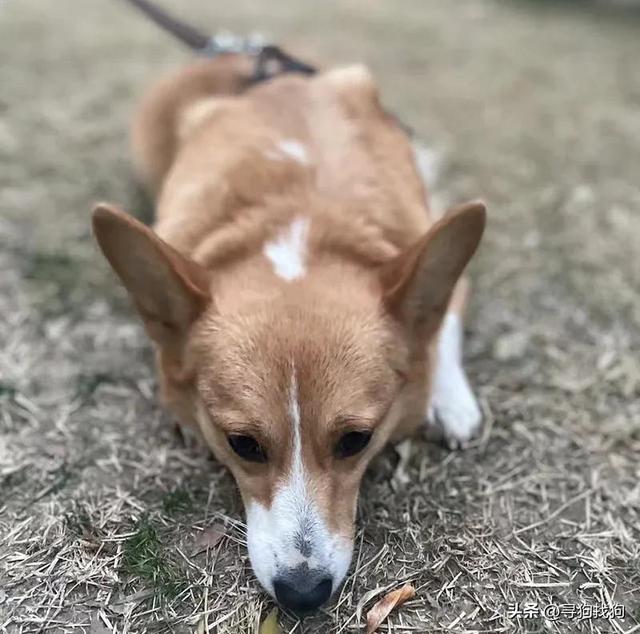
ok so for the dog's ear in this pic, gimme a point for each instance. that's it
(418, 283)
(168, 289)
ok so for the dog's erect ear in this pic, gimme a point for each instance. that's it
(418, 284)
(168, 289)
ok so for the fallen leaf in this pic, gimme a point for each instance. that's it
(270, 625)
(381, 610)
(209, 538)
(366, 597)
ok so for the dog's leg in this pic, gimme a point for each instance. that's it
(453, 406)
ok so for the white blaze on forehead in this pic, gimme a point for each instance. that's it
(297, 482)
(288, 252)
(292, 531)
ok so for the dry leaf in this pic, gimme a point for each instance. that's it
(381, 610)
(270, 625)
(209, 538)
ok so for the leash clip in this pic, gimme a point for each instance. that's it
(227, 42)
(271, 60)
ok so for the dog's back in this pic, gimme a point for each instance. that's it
(233, 164)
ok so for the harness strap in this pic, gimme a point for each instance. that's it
(273, 61)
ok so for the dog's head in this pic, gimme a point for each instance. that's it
(295, 391)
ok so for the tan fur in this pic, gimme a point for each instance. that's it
(359, 327)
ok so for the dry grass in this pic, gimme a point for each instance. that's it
(109, 523)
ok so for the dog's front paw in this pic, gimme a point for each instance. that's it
(455, 411)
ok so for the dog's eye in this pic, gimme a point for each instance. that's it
(247, 448)
(351, 443)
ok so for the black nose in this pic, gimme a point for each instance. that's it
(303, 594)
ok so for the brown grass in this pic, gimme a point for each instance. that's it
(105, 516)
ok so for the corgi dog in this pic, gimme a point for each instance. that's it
(305, 305)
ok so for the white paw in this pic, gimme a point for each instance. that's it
(453, 407)
(457, 415)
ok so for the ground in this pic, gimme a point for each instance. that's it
(109, 523)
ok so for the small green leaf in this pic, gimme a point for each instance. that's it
(270, 625)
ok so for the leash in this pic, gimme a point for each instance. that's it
(271, 60)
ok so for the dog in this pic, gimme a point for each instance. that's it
(305, 305)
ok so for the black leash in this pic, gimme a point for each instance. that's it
(271, 60)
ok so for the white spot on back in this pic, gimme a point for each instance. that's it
(287, 253)
(289, 149)
(294, 149)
